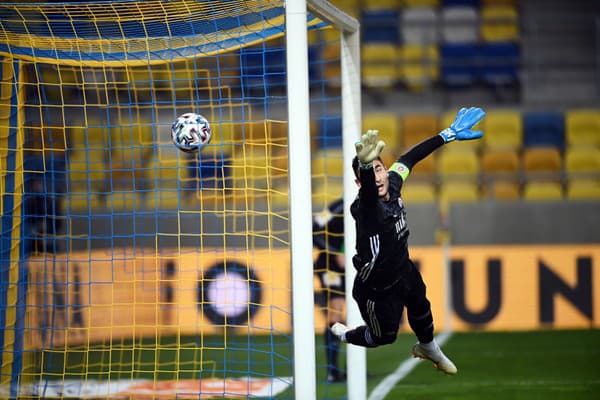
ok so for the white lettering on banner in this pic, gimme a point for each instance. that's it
(148, 389)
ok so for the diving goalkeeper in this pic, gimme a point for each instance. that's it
(387, 281)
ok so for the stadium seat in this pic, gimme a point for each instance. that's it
(419, 26)
(380, 4)
(582, 127)
(500, 162)
(460, 24)
(499, 63)
(544, 129)
(379, 62)
(419, 66)
(583, 189)
(388, 125)
(458, 64)
(502, 189)
(582, 162)
(420, 3)
(425, 169)
(470, 3)
(332, 72)
(415, 191)
(542, 190)
(330, 131)
(542, 162)
(457, 192)
(380, 25)
(454, 165)
(327, 162)
(417, 127)
(499, 23)
(503, 129)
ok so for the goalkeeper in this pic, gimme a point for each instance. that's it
(386, 280)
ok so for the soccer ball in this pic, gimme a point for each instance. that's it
(190, 132)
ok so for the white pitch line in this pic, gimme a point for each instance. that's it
(403, 369)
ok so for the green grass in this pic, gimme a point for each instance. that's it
(548, 365)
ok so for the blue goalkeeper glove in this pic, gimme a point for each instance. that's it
(460, 129)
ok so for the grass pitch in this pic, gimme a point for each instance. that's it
(544, 365)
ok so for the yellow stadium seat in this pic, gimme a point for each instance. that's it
(582, 127)
(542, 162)
(424, 170)
(414, 191)
(379, 65)
(542, 190)
(582, 161)
(500, 162)
(328, 162)
(458, 192)
(499, 23)
(380, 4)
(418, 127)
(462, 166)
(420, 3)
(503, 129)
(332, 72)
(419, 66)
(388, 125)
(583, 189)
(502, 190)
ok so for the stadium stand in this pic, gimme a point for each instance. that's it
(460, 24)
(544, 129)
(542, 190)
(582, 127)
(583, 189)
(581, 162)
(417, 127)
(458, 166)
(419, 66)
(379, 65)
(499, 23)
(416, 191)
(503, 129)
(420, 26)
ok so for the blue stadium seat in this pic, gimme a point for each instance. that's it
(471, 3)
(263, 67)
(380, 25)
(544, 129)
(499, 63)
(458, 64)
(330, 131)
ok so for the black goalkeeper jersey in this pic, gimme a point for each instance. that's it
(381, 227)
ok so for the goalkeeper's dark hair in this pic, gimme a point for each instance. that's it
(356, 165)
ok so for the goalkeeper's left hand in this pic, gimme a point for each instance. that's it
(460, 129)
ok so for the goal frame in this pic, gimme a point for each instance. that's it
(300, 182)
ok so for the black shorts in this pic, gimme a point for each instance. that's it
(382, 311)
(331, 275)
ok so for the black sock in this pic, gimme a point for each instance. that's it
(360, 336)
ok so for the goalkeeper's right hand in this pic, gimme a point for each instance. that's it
(369, 147)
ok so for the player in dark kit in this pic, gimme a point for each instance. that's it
(328, 239)
(386, 279)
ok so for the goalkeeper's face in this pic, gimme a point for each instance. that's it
(381, 179)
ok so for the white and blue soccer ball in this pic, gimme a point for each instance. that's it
(190, 132)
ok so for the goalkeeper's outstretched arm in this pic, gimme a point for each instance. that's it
(460, 129)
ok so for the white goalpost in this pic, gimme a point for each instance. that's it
(299, 178)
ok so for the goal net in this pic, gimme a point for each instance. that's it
(128, 266)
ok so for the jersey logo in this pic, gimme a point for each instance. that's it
(400, 203)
